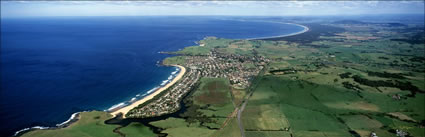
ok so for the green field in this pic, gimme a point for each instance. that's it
(230, 130)
(91, 124)
(137, 130)
(267, 134)
(351, 83)
(176, 127)
(208, 107)
(176, 60)
(305, 107)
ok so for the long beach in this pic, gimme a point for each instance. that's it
(125, 109)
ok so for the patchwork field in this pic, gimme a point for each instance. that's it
(210, 112)
(310, 109)
(267, 134)
(332, 81)
(137, 130)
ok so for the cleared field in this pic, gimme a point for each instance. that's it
(195, 50)
(267, 134)
(264, 117)
(209, 107)
(90, 124)
(170, 123)
(213, 91)
(176, 60)
(238, 95)
(296, 105)
(359, 105)
(137, 130)
(319, 134)
(230, 130)
(213, 97)
(320, 110)
(361, 122)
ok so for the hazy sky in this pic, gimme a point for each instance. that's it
(254, 8)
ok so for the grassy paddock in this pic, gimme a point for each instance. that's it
(90, 124)
(137, 130)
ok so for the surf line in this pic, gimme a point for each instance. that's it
(175, 76)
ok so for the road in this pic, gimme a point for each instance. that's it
(239, 118)
(245, 101)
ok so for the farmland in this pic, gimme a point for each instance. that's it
(341, 80)
(84, 127)
(208, 109)
(347, 84)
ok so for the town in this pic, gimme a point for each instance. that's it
(238, 69)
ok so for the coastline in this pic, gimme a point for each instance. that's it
(121, 108)
(74, 118)
(127, 108)
(286, 35)
(124, 108)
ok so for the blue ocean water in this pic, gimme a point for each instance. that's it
(52, 67)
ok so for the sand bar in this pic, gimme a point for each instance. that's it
(125, 109)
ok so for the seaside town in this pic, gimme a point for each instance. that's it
(237, 68)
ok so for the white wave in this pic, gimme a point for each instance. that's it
(145, 94)
(25, 129)
(71, 118)
(41, 127)
(116, 106)
(152, 90)
(164, 82)
(173, 74)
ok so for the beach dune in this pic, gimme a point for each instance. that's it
(126, 109)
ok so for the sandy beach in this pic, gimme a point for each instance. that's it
(125, 109)
(292, 34)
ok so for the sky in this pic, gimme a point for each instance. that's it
(231, 8)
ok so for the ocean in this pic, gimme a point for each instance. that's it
(52, 67)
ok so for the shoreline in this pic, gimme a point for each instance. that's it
(286, 35)
(124, 108)
(120, 108)
(127, 108)
(269, 37)
(74, 118)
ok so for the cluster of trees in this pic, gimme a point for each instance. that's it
(417, 59)
(348, 85)
(418, 38)
(285, 71)
(396, 84)
(345, 75)
(386, 75)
